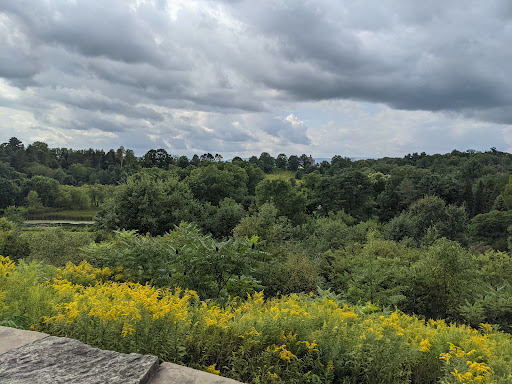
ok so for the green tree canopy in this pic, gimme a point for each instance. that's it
(148, 204)
(288, 201)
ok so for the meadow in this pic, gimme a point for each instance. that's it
(298, 338)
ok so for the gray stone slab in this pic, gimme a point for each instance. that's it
(170, 373)
(12, 338)
(58, 360)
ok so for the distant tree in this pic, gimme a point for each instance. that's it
(478, 200)
(339, 162)
(428, 219)
(281, 161)
(207, 157)
(507, 194)
(70, 197)
(81, 174)
(130, 160)
(149, 159)
(15, 144)
(163, 159)
(293, 163)
(120, 154)
(255, 175)
(255, 161)
(148, 204)
(350, 191)
(47, 189)
(267, 162)
(109, 160)
(214, 182)
(39, 152)
(288, 201)
(183, 162)
(443, 279)
(467, 198)
(491, 229)
(324, 167)
(156, 158)
(9, 191)
(19, 159)
(304, 161)
(33, 201)
(195, 160)
(220, 221)
(311, 187)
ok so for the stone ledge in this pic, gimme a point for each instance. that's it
(170, 373)
(12, 338)
(28, 357)
(59, 360)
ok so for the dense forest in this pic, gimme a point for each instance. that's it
(376, 244)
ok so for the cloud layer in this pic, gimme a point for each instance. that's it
(242, 77)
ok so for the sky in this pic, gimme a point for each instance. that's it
(358, 78)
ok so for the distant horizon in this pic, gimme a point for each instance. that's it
(318, 159)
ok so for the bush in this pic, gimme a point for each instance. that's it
(183, 257)
(57, 246)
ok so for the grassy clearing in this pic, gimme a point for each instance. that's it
(71, 215)
(280, 174)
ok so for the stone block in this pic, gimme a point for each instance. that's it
(12, 338)
(170, 373)
(58, 360)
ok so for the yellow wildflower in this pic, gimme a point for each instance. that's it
(425, 345)
(211, 369)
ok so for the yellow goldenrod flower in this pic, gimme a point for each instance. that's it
(425, 345)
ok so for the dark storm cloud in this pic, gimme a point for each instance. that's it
(120, 64)
(440, 57)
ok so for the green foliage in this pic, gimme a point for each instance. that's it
(11, 242)
(24, 298)
(289, 273)
(266, 224)
(350, 191)
(491, 229)
(144, 259)
(9, 191)
(429, 219)
(56, 246)
(47, 189)
(213, 268)
(266, 162)
(214, 183)
(220, 221)
(33, 201)
(444, 278)
(287, 200)
(148, 204)
(98, 193)
(15, 214)
(59, 215)
(332, 232)
(184, 258)
(507, 194)
(75, 198)
(378, 271)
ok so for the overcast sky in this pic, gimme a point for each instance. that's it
(356, 78)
